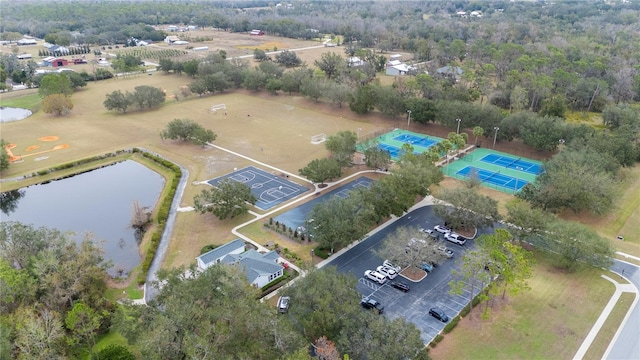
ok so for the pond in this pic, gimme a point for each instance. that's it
(99, 202)
(8, 114)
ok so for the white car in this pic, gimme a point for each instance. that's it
(455, 238)
(388, 272)
(375, 277)
(426, 231)
(446, 251)
(388, 264)
(442, 229)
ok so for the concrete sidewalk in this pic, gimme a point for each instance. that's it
(620, 288)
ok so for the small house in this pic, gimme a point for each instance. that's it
(171, 39)
(24, 56)
(354, 61)
(25, 41)
(401, 69)
(260, 269)
(395, 57)
(450, 71)
(201, 48)
(256, 32)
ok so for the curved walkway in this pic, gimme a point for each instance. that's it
(620, 288)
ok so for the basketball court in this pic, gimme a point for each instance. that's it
(269, 189)
(298, 216)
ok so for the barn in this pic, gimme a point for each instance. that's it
(55, 61)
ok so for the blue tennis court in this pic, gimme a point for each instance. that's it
(269, 189)
(513, 163)
(495, 178)
(392, 150)
(415, 140)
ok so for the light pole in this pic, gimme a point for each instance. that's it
(408, 119)
(495, 136)
(458, 129)
(561, 142)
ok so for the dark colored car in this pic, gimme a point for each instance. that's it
(400, 286)
(438, 314)
(372, 304)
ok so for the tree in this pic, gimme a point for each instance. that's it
(118, 100)
(572, 181)
(145, 96)
(467, 208)
(321, 170)
(470, 277)
(199, 317)
(57, 104)
(51, 84)
(320, 312)
(525, 221)
(331, 64)
(83, 322)
(288, 59)
(39, 334)
(228, 199)
(115, 352)
(573, 246)
(126, 63)
(508, 265)
(340, 221)
(543, 133)
(342, 146)
(407, 247)
(260, 55)
(190, 67)
(363, 100)
(477, 131)
(377, 158)
(4, 156)
(188, 130)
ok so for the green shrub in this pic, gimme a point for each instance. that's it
(465, 311)
(321, 252)
(451, 325)
(207, 248)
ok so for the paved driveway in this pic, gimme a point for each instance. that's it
(431, 291)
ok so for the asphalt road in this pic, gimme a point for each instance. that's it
(432, 291)
(627, 344)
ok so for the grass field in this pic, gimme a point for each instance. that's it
(543, 323)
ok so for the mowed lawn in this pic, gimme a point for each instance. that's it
(548, 322)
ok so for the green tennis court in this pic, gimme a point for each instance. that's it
(393, 141)
(497, 170)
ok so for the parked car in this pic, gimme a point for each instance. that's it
(426, 267)
(375, 276)
(372, 304)
(388, 272)
(388, 263)
(283, 304)
(438, 314)
(426, 231)
(455, 238)
(446, 251)
(400, 286)
(442, 229)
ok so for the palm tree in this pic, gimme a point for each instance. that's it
(477, 131)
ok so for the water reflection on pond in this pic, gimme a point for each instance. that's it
(99, 202)
(8, 114)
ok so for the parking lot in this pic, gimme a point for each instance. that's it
(432, 291)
